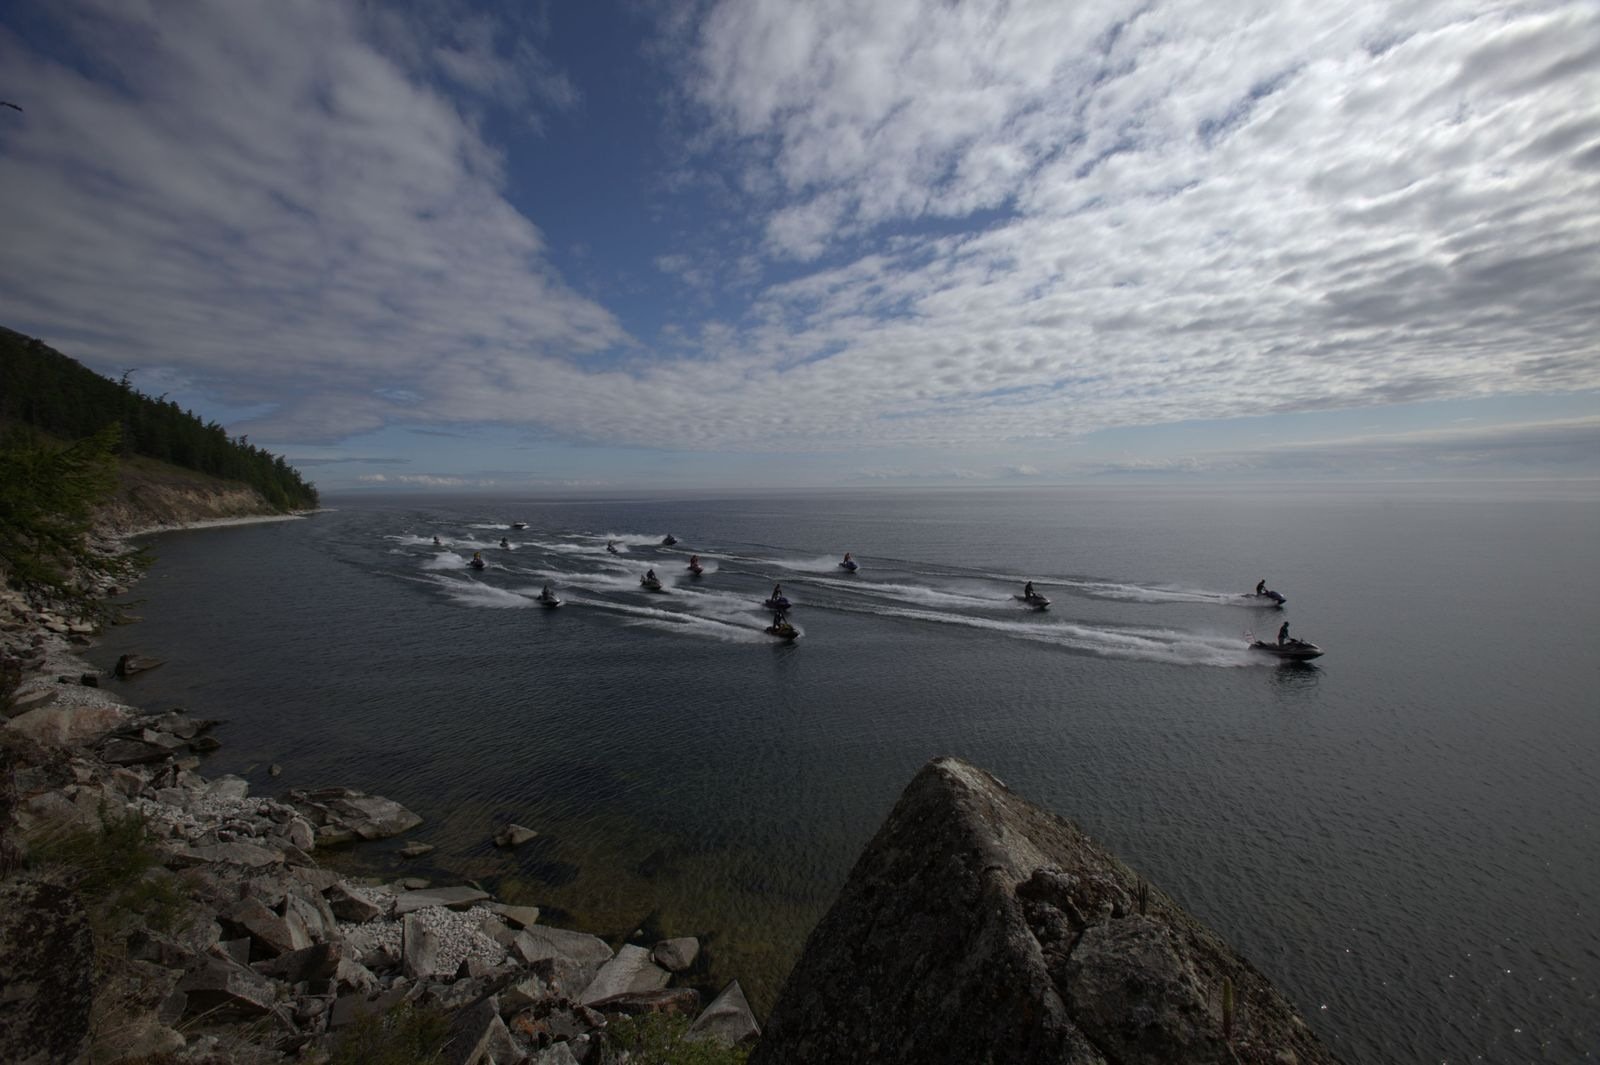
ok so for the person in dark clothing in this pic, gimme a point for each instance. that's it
(1261, 586)
(1283, 634)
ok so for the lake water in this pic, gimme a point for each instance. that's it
(1404, 835)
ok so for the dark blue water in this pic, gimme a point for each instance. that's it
(1404, 834)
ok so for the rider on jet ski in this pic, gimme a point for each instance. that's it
(1261, 586)
(1283, 634)
(1027, 591)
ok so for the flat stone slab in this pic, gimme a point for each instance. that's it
(455, 898)
(67, 726)
(246, 854)
(632, 969)
(517, 916)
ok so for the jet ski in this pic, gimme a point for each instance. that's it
(1268, 598)
(1291, 649)
(780, 602)
(782, 630)
(547, 598)
(611, 545)
(1037, 601)
(519, 525)
(849, 564)
(695, 568)
(668, 540)
(477, 563)
(650, 584)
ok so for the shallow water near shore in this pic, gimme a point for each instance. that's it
(1403, 834)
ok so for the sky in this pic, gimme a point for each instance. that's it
(527, 247)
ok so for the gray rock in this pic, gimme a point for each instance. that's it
(349, 904)
(541, 941)
(299, 834)
(419, 949)
(630, 970)
(46, 973)
(516, 916)
(673, 1001)
(728, 1020)
(555, 1054)
(220, 989)
(522, 994)
(228, 787)
(271, 934)
(316, 878)
(955, 939)
(470, 1033)
(455, 898)
(416, 849)
(246, 854)
(317, 963)
(68, 725)
(514, 836)
(1138, 998)
(319, 920)
(127, 752)
(130, 665)
(351, 975)
(501, 1049)
(676, 955)
(343, 814)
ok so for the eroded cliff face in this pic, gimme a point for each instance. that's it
(151, 496)
(977, 927)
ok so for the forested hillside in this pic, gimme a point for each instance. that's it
(46, 390)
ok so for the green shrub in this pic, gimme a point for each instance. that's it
(659, 1039)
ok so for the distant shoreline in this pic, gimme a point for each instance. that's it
(215, 523)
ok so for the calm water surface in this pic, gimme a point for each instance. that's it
(1403, 835)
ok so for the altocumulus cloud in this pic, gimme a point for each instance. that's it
(953, 224)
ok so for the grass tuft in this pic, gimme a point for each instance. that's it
(660, 1039)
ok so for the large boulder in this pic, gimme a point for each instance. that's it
(977, 927)
(46, 973)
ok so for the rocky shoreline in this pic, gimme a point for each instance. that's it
(237, 946)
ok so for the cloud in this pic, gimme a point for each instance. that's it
(929, 225)
(423, 480)
(263, 200)
(1569, 446)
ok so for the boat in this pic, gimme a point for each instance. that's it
(776, 602)
(1268, 598)
(849, 563)
(519, 525)
(668, 540)
(1291, 650)
(547, 599)
(650, 583)
(1037, 601)
(782, 630)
